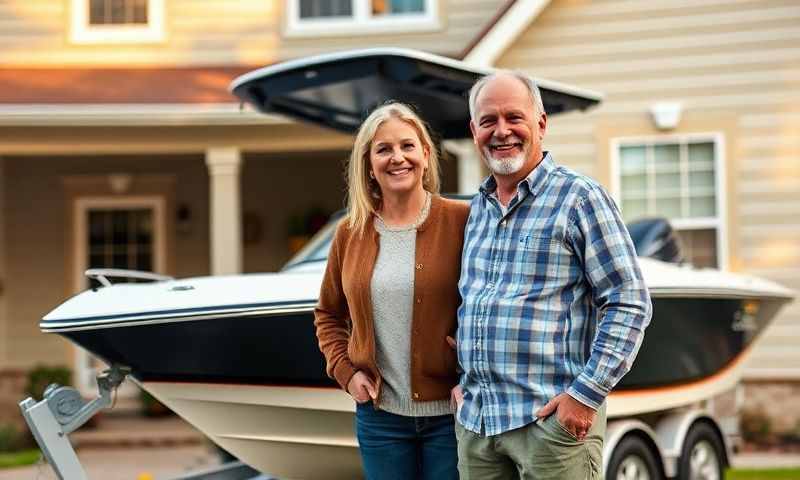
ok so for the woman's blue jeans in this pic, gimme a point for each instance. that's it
(406, 448)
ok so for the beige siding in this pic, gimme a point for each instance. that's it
(215, 32)
(733, 60)
(3, 272)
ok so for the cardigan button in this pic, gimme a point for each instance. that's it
(416, 395)
(419, 266)
(419, 300)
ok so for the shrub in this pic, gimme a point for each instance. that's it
(41, 376)
(755, 426)
(13, 440)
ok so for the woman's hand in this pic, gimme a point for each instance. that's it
(456, 397)
(361, 388)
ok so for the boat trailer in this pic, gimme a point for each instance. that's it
(63, 410)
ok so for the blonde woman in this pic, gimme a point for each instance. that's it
(389, 297)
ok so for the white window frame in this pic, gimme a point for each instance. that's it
(361, 22)
(85, 377)
(81, 32)
(719, 221)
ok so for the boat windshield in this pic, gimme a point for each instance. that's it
(316, 250)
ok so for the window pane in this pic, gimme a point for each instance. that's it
(668, 206)
(667, 158)
(325, 8)
(633, 159)
(140, 11)
(703, 206)
(634, 186)
(700, 247)
(97, 12)
(702, 180)
(701, 152)
(118, 11)
(383, 7)
(633, 209)
(668, 183)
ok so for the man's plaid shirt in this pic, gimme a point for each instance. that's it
(553, 299)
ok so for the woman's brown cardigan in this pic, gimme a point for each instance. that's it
(343, 317)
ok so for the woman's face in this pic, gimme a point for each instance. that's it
(397, 157)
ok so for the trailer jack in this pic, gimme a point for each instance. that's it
(61, 412)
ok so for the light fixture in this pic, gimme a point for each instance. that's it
(666, 115)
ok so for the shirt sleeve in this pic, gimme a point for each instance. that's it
(599, 237)
(332, 318)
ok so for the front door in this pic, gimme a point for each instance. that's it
(111, 232)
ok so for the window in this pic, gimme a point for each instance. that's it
(117, 12)
(342, 17)
(679, 179)
(117, 21)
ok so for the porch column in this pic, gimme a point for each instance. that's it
(470, 166)
(224, 165)
(4, 360)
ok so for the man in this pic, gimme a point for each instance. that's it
(554, 305)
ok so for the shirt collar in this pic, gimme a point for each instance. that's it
(534, 181)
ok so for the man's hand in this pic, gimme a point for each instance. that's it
(572, 414)
(361, 388)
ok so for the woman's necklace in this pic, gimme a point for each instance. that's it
(423, 214)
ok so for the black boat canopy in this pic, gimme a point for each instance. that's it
(337, 90)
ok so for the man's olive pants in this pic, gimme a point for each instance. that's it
(542, 450)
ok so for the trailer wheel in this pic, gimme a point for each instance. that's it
(702, 455)
(633, 459)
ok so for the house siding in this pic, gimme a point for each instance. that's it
(737, 61)
(3, 271)
(215, 32)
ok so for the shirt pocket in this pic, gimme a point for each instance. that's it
(540, 263)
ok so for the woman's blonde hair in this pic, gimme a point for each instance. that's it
(363, 192)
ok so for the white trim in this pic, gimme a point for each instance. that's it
(361, 22)
(82, 32)
(110, 114)
(767, 373)
(505, 32)
(84, 379)
(720, 220)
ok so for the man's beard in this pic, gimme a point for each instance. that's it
(504, 166)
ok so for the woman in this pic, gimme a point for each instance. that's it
(389, 298)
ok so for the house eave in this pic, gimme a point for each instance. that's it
(88, 115)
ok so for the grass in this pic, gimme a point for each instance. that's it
(765, 474)
(19, 459)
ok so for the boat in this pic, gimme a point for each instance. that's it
(237, 357)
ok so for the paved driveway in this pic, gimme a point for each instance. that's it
(120, 463)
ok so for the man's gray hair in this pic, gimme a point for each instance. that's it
(530, 84)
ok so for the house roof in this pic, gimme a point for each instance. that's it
(118, 85)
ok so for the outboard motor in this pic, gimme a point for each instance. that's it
(655, 238)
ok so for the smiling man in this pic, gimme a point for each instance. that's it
(554, 304)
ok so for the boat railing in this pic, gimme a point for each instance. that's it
(102, 275)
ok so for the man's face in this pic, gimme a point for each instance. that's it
(507, 129)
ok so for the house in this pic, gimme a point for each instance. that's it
(120, 146)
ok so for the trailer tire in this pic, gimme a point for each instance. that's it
(702, 454)
(633, 459)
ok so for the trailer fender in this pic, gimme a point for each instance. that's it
(616, 429)
(671, 431)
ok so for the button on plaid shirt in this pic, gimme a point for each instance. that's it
(553, 299)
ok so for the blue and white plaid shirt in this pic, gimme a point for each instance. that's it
(553, 299)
